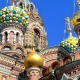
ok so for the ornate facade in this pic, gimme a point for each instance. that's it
(24, 54)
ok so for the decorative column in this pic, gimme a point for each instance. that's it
(22, 40)
(34, 73)
(8, 36)
(3, 38)
(19, 39)
(14, 37)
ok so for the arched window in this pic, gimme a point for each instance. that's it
(6, 48)
(19, 50)
(21, 5)
(17, 37)
(6, 36)
(36, 37)
(30, 7)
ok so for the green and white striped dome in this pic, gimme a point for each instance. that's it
(70, 43)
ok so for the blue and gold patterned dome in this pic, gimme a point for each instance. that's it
(14, 14)
(70, 43)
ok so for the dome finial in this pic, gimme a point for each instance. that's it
(13, 1)
(69, 23)
(78, 3)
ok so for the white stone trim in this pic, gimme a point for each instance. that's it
(5, 69)
(13, 75)
(9, 29)
(15, 30)
(3, 38)
(33, 68)
(8, 37)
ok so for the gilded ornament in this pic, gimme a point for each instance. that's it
(33, 60)
(13, 1)
(76, 17)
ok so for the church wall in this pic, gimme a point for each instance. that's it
(50, 62)
(11, 38)
(11, 78)
(77, 56)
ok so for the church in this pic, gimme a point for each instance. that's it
(24, 51)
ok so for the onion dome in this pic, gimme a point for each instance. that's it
(76, 17)
(13, 14)
(71, 42)
(33, 60)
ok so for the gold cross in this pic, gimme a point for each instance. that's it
(13, 1)
(69, 23)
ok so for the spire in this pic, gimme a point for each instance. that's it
(78, 3)
(13, 1)
(33, 50)
(69, 28)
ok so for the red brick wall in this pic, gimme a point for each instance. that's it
(77, 55)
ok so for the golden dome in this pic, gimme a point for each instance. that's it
(33, 60)
(76, 16)
(76, 19)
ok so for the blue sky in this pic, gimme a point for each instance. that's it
(53, 13)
